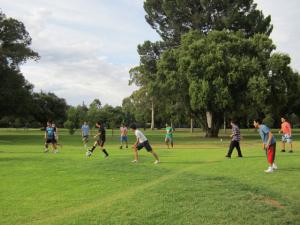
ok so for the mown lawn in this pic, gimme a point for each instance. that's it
(193, 184)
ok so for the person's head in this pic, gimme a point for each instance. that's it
(133, 126)
(233, 122)
(98, 124)
(85, 122)
(49, 124)
(283, 119)
(53, 125)
(257, 122)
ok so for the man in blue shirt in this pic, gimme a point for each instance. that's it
(269, 143)
(85, 131)
(50, 138)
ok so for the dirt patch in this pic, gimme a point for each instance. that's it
(273, 202)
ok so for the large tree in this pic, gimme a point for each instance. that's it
(227, 72)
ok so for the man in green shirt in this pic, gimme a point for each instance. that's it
(169, 136)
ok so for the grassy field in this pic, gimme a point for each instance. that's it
(193, 184)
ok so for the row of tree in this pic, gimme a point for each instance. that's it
(215, 61)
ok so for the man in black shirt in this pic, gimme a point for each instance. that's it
(100, 141)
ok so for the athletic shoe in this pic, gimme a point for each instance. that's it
(88, 153)
(126, 146)
(46, 150)
(282, 150)
(291, 151)
(121, 147)
(274, 167)
(156, 162)
(269, 170)
(134, 161)
(105, 156)
(228, 157)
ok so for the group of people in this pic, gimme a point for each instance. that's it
(268, 140)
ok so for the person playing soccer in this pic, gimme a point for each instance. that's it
(123, 136)
(286, 131)
(169, 136)
(101, 140)
(141, 142)
(235, 140)
(50, 137)
(269, 143)
(85, 132)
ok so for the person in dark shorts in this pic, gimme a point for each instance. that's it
(50, 138)
(235, 140)
(142, 142)
(100, 141)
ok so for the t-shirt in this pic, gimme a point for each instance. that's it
(50, 132)
(169, 132)
(264, 134)
(236, 133)
(123, 131)
(85, 130)
(102, 133)
(286, 128)
(140, 136)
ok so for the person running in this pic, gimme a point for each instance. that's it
(286, 131)
(169, 136)
(124, 137)
(269, 143)
(101, 140)
(141, 142)
(50, 138)
(235, 140)
(85, 132)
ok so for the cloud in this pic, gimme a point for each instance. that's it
(86, 47)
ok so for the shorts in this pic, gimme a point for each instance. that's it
(124, 138)
(101, 142)
(85, 138)
(51, 140)
(146, 145)
(169, 138)
(286, 138)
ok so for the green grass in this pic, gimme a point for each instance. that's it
(194, 184)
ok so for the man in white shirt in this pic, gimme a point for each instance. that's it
(141, 142)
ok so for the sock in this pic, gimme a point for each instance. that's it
(92, 149)
(105, 152)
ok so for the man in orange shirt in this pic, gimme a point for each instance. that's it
(286, 131)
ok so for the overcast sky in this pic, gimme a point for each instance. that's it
(88, 46)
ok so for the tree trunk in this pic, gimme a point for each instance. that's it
(213, 123)
(192, 125)
(152, 116)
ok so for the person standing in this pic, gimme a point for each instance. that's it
(235, 140)
(101, 140)
(123, 136)
(85, 132)
(50, 137)
(269, 143)
(169, 136)
(286, 131)
(142, 142)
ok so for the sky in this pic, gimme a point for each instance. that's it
(88, 46)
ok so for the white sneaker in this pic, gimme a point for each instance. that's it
(46, 150)
(274, 167)
(269, 170)
(88, 153)
(156, 162)
(134, 161)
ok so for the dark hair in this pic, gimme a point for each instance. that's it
(258, 120)
(99, 122)
(133, 126)
(234, 121)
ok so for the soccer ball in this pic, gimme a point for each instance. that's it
(88, 153)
